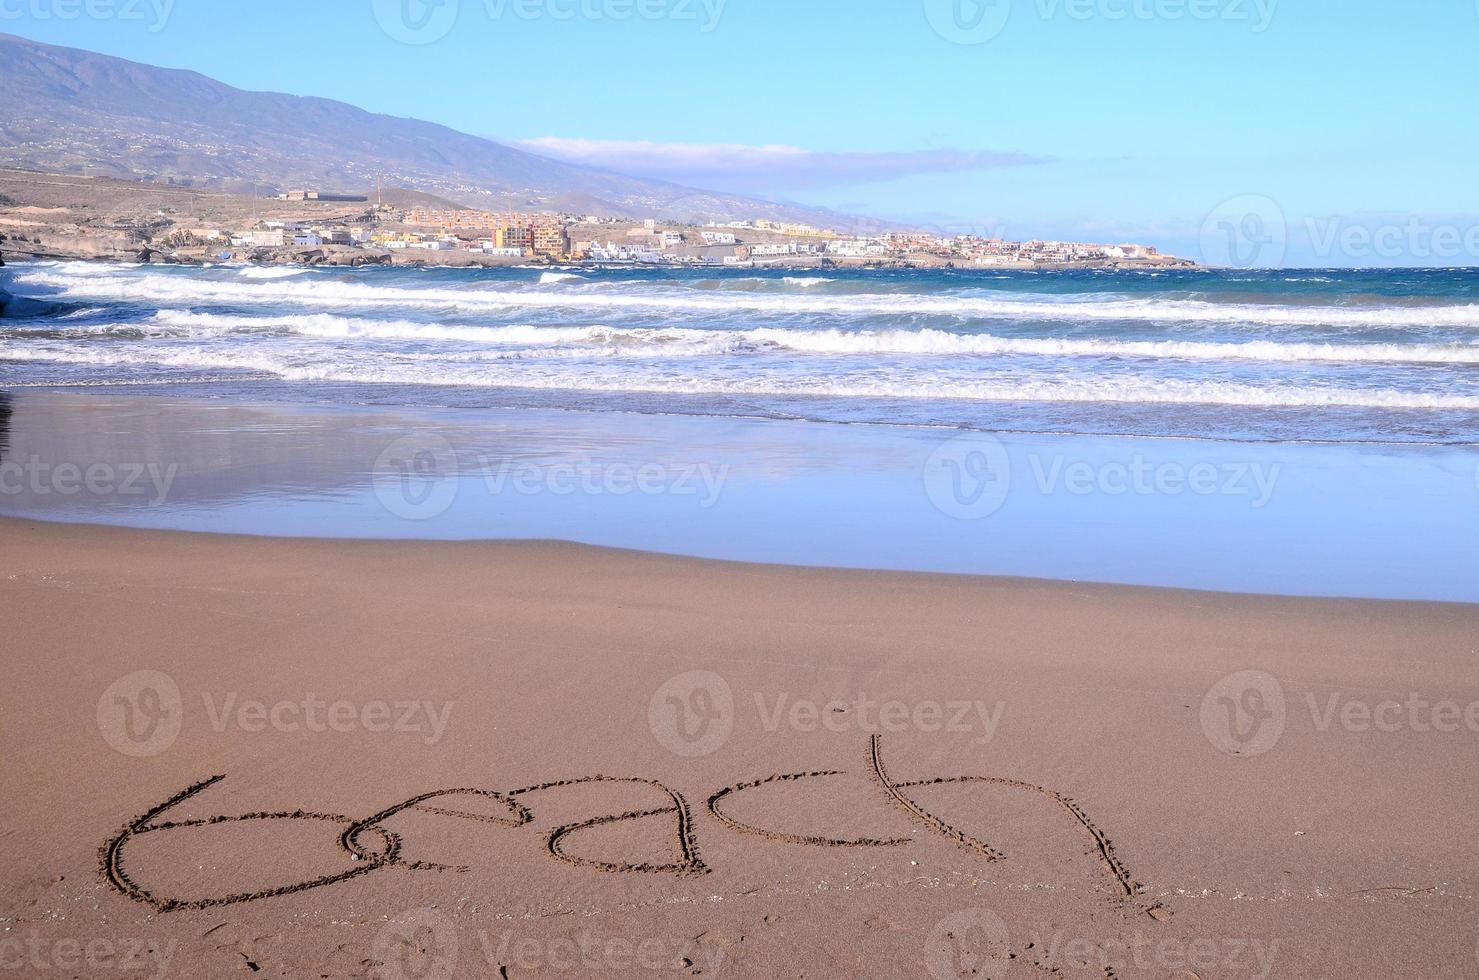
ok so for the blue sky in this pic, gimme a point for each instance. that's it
(1097, 119)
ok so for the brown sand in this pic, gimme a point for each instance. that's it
(1102, 832)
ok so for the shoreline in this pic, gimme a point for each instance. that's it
(17, 524)
(345, 257)
(1266, 517)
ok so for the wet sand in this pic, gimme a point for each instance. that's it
(806, 772)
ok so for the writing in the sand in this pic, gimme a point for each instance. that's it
(372, 846)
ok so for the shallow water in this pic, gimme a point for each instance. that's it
(1391, 521)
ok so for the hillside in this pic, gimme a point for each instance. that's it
(75, 111)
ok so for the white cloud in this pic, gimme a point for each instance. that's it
(766, 168)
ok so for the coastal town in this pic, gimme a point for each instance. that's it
(74, 218)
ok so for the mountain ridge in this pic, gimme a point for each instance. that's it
(90, 112)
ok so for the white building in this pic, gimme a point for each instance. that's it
(259, 238)
(857, 247)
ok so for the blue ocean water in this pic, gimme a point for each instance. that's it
(1306, 355)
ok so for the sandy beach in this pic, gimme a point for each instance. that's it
(241, 756)
(821, 524)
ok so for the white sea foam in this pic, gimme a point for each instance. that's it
(927, 354)
(268, 272)
(679, 341)
(654, 298)
(502, 373)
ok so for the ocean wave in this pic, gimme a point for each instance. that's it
(484, 296)
(333, 327)
(268, 272)
(381, 369)
(678, 341)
